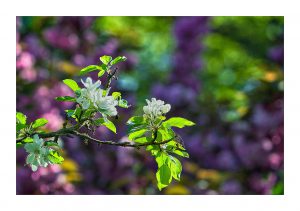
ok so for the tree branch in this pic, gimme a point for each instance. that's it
(73, 131)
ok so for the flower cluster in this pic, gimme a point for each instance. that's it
(93, 95)
(155, 108)
(38, 154)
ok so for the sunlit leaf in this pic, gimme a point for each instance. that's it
(107, 123)
(123, 103)
(175, 167)
(72, 84)
(105, 59)
(136, 134)
(21, 118)
(100, 73)
(116, 95)
(90, 68)
(118, 59)
(39, 122)
(55, 158)
(178, 122)
(163, 176)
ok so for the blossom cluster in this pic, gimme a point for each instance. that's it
(155, 108)
(93, 96)
(38, 154)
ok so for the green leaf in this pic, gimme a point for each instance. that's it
(55, 158)
(72, 84)
(52, 145)
(20, 126)
(180, 153)
(104, 67)
(123, 103)
(90, 68)
(178, 122)
(88, 113)
(136, 123)
(136, 134)
(142, 140)
(74, 113)
(100, 73)
(39, 123)
(135, 120)
(174, 144)
(176, 167)
(161, 158)
(66, 99)
(166, 134)
(118, 59)
(163, 176)
(116, 95)
(28, 140)
(110, 125)
(21, 118)
(134, 128)
(154, 149)
(105, 59)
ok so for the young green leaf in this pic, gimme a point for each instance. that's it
(110, 125)
(118, 59)
(20, 126)
(165, 133)
(142, 140)
(55, 158)
(65, 99)
(161, 158)
(39, 123)
(116, 95)
(134, 128)
(90, 68)
(135, 120)
(178, 122)
(163, 176)
(105, 59)
(136, 134)
(123, 103)
(154, 149)
(179, 152)
(21, 118)
(100, 73)
(28, 140)
(72, 84)
(175, 167)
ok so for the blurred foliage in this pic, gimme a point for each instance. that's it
(235, 62)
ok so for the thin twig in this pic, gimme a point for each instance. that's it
(73, 131)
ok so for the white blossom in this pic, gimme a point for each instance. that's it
(156, 108)
(93, 95)
(37, 153)
(105, 104)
